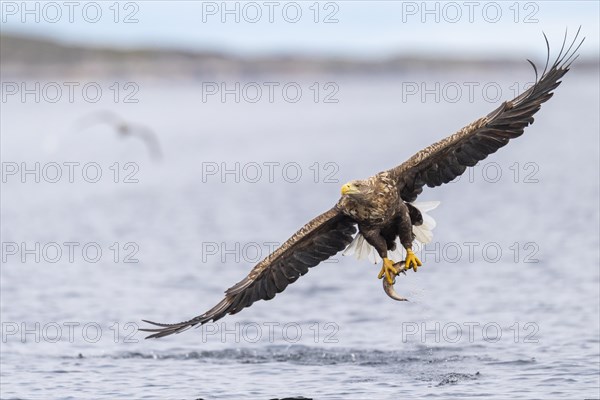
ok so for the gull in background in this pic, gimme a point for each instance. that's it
(124, 129)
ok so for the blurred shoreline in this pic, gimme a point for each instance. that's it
(31, 57)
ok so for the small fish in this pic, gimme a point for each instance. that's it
(389, 289)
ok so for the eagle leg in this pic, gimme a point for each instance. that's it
(411, 261)
(375, 239)
(405, 232)
(388, 270)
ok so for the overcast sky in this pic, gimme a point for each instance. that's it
(355, 28)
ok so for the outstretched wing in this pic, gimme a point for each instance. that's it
(445, 160)
(315, 242)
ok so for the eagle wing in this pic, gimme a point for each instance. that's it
(318, 240)
(445, 160)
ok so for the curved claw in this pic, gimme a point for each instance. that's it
(388, 271)
(412, 261)
(388, 287)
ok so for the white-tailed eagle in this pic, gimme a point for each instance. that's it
(382, 206)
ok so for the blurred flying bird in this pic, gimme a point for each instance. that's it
(124, 129)
(382, 206)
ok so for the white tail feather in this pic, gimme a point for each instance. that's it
(422, 234)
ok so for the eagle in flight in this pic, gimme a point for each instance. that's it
(382, 206)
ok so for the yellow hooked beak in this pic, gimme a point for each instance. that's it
(349, 188)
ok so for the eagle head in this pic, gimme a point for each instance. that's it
(355, 188)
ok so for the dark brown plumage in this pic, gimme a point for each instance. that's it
(380, 205)
(445, 160)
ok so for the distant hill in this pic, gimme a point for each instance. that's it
(28, 56)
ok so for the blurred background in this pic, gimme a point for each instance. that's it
(153, 152)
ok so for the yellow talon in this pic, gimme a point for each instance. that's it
(411, 261)
(388, 270)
